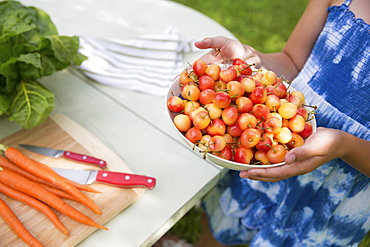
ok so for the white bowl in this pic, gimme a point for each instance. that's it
(175, 89)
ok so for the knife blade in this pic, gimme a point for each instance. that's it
(117, 179)
(68, 154)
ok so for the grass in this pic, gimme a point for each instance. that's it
(263, 24)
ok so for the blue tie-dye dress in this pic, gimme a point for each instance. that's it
(331, 205)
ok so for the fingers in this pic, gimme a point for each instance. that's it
(274, 174)
(214, 42)
(268, 174)
(318, 149)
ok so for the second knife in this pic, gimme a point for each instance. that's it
(68, 154)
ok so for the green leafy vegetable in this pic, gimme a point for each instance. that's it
(30, 48)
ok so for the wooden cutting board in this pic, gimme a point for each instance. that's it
(61, 132)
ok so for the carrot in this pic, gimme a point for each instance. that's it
(17, 225)
(17, 195)
(4, 162)
(58, 192)
(33, 189)
(49, 175)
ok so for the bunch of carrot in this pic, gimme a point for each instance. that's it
(38, 186)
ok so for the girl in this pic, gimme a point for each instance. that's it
(321, 197)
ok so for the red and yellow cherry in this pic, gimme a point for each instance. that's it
(193, 135)
(260, 111)
(216, 127)
(238, 61)
(273, 125)
(199, 67)
(225, 153)
(247, 120)
(230, 115)
(250, 137)
(261, 157)
(271, 89)
(249, 84)
(220, 86)
(258, 75)
(221, 99)
(303, 112)
(265, 143)
(182, 122)
(272, 137)
(237, 69)
(175, 104)
(234, 130)
(203, 143)
(185, 78)
(298, 94)
(190, 92)
(307, 131)
(201, 120)
(228, 74)
(274, 114)
(269, 78)
(276, 154)
(217, 143)
(195, 112)
(245, 69)
(287, 110)
(284, 135)
(206, 96)
(296, 141)
(206, 82)
(244, 104)
(229, 139)
(258, 95)
(213, 111)
(295, 100)
(213, 71)
(243, 155)
(296, 124)
(191, 106)
(281, 88)
(272, 102)
(235, 89)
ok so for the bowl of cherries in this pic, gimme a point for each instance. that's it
(238, 117)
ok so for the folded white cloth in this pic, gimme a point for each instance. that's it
(146, 63)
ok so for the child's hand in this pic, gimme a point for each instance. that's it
(224, 49)
(324, 145)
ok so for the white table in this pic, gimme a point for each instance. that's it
(132, 124)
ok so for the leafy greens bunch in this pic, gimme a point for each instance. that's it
(30, 48)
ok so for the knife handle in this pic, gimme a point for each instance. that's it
(85, 159)
(120, 179)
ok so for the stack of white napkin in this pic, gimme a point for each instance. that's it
(146, 63)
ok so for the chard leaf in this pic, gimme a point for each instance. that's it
(24, 67)
(4, 103)
(30, 48)
(64, 48)
(31, 104)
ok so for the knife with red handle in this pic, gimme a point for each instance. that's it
(55, 153)
(117, 179)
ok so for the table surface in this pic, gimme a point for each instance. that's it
(132, 124)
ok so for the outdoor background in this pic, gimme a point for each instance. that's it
(263, 24)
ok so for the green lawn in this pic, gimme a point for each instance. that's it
(263, 24)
